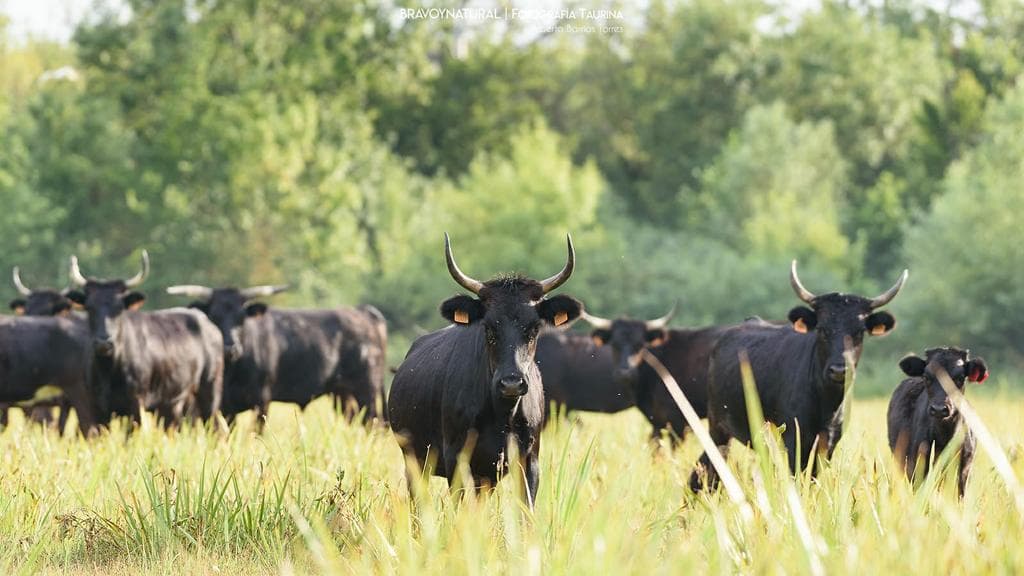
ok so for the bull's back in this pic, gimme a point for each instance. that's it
(780, 360)
(40, 351)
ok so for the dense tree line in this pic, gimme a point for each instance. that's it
(329, 145)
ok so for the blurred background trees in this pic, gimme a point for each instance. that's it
(330, 144)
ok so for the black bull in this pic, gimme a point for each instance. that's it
(577, 375)
(684, 352)
(800, 371)
(474, 386)
(40, 302)
(295, 356)
(169, 361)
(36, 353)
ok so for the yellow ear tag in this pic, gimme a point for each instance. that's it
(461, 317)
(656, 342)
(799, 326)
(878, 330)
(19, 311)
(597, 340)
(561, 318)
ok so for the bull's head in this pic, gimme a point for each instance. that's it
(228, 308)
(628, 338)
(41, 302)
(512, 310)
(840, 321)
(956, 364)
(105, 301)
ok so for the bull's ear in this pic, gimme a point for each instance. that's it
(880, 323)
(913, 365)
(462, 309)
(18, 305)
(199, 305)
(977, 370)
(656, 337)
(252, 310)
(76, 296)
(803, 319)
(133, 300)
(600, 336)
(559, 310)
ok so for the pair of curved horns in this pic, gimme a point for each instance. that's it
(475, 286)
(606, 324)
(876, 302)
(22, 289)
(205, 292)
(81, 280)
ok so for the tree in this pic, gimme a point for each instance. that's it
(968, 267)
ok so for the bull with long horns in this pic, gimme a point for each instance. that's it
(474, 385)
(169, 362)
(801, 370)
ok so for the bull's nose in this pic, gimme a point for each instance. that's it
(836, 372)
(939, 410)
(512, 386)
(103, 346)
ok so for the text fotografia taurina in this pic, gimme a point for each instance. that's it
(509, 14)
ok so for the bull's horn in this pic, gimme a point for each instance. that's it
(190, 290)
(76, 273)
(663, 321)
(801, 292)
(138, 278)
(466, 282)
(560, 278)
(22, 289)
(260, 291)
(596, 321)
(887, 296)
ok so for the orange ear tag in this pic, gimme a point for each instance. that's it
(597, 340)
(799, 326)
(561, 318)
(461, 317)
(878, 330)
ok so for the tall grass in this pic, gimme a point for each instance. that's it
(316, 495)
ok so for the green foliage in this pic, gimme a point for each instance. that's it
(966, 252)
(329, 145)
(776, 191)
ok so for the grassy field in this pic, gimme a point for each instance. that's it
(316, 495)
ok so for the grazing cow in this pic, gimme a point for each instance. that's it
(42, 357)
(577, 374)
(295, 355)
(922, 418)
(170, 361)
(475, 385)
(684, 352)
(800, 372)
(41, 302)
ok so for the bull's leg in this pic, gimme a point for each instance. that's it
(4, 409)
(704, 474)
(62, 415)
(78, 396)
(42, 415)
(531, 467)
(798, 462)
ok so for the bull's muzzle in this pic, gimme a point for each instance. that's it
(512, 386)
(836, 373)
(103, 346)
(941, 411)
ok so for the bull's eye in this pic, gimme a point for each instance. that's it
(960, 362)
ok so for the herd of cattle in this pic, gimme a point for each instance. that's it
(484, 383)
